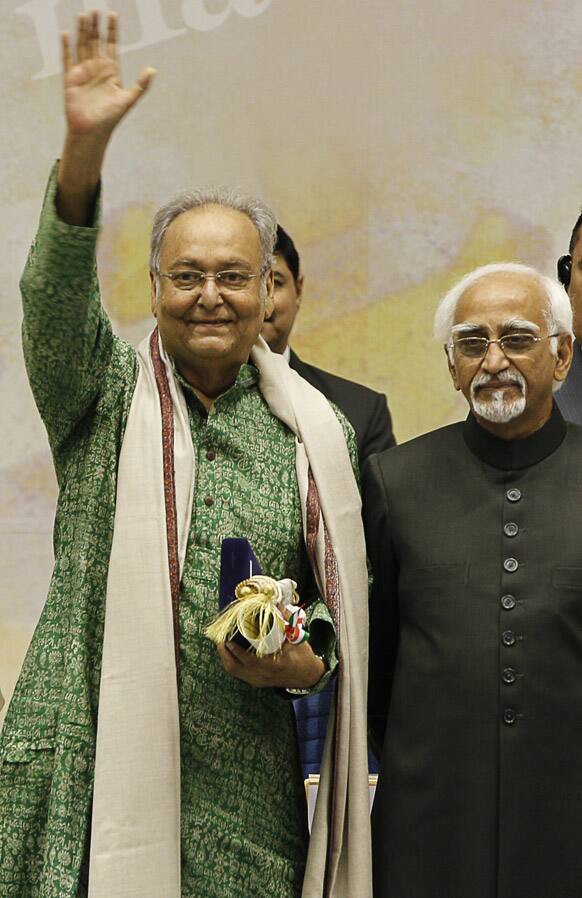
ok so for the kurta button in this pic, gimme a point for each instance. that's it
(513, 495)
(511, 529)
(508, 637)
(509, 716)
(509, 675)
(211, 455)
(508, 602)
(511, 565)
(208, 500)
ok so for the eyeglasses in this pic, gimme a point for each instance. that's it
(230, 280)
(510, 344)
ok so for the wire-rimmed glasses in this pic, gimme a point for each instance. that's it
(228, 280)
(511, 345)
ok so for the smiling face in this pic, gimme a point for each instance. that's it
(210, 326)
(287, 300)
(512, 397)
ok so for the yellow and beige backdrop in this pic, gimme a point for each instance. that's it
(401, 143)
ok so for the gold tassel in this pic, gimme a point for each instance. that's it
(253, 613)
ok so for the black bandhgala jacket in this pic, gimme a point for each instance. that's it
(476, 663)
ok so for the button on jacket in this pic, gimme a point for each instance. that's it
(476, 663)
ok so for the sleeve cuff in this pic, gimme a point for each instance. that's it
(60, 245)
(322, 639)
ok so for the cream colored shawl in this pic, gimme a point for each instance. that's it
(135, 837)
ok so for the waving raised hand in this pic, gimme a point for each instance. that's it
(95, 103)
(95, 99)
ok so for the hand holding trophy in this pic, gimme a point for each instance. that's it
(260, 632)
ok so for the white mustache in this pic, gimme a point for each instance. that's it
(482, 379)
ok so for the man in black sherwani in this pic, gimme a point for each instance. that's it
(475, 536)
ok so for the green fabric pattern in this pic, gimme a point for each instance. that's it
(244, 827)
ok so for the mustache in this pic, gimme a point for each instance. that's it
(483, 379)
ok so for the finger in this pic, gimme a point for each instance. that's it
(252, 663)
(111, 47)
(141, 85)
(94, 35)
(226, 653)
(66, 51)
(234, 668)
(82, 29)
(239, 655)
(229, 662)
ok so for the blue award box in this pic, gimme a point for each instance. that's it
(237, 563)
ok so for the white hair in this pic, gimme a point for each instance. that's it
(558, 313)
(259, 213)
(261, 216)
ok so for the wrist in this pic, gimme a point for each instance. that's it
(78, 178)
(319, 671)
(82, 158)
(83, 153)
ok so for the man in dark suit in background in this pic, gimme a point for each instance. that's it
(569, 398)
(367, 412)
(365, 409)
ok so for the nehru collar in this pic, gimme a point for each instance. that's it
(512, 455)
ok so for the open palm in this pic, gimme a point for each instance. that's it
(95, 99)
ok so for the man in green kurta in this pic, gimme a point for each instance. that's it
(243, 816)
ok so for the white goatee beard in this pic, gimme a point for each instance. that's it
(498, 409)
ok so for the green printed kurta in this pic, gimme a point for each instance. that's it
(244, 829)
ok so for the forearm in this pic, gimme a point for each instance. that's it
(78, 178)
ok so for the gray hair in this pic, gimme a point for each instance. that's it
(558, 313)
(258, 212)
